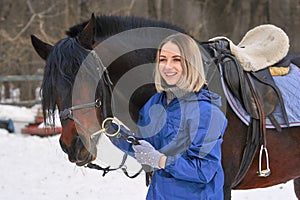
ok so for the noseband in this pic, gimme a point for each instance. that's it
(68, 113)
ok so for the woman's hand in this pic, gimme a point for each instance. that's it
(146, 154)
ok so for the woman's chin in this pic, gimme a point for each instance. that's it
(171, 82)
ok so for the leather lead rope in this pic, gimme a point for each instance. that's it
(108, 169)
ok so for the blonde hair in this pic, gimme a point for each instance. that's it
(193, 72)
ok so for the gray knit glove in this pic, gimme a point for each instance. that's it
(146, 154)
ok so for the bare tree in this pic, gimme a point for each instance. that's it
(204, 19)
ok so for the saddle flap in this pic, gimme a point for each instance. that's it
(262, 83)
(231, 74)
(250, 88)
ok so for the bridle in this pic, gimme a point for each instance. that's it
(67, 114)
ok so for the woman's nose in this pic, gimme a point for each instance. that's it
(168, 64)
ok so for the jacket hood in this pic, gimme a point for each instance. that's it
(205, 95)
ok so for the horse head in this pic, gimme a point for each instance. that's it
(66, 85)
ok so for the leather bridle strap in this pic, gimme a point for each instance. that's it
(68, 113)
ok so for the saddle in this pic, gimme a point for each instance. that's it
(260, 48)
(256, 91)
(258, 94)
(293, 58)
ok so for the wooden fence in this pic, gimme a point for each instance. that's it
(10, 89)
(10, 78)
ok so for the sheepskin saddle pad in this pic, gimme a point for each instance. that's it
(261, 47)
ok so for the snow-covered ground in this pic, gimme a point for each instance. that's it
(35, 168)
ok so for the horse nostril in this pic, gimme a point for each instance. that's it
(78, 144)
(63, 146)
(77, 151)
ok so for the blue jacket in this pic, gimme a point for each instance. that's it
(189, 132)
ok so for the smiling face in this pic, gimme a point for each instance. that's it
(170, 63)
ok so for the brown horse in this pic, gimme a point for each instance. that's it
(61, 87)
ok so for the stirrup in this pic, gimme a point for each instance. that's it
(265, 172)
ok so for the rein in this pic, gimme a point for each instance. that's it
(68, 114)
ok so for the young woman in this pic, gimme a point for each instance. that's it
(181, 127)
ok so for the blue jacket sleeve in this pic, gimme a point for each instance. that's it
(201, 161)
(121, 143)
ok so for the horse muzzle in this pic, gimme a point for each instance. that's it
(79, 151)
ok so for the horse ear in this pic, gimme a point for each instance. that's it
(86, 37)
(42, 48)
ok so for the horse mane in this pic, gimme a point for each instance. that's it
(110, 25)
(64, 60)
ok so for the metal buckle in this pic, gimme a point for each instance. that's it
(98, 103)
(65, 114)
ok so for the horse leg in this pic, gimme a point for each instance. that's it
(297, 187)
